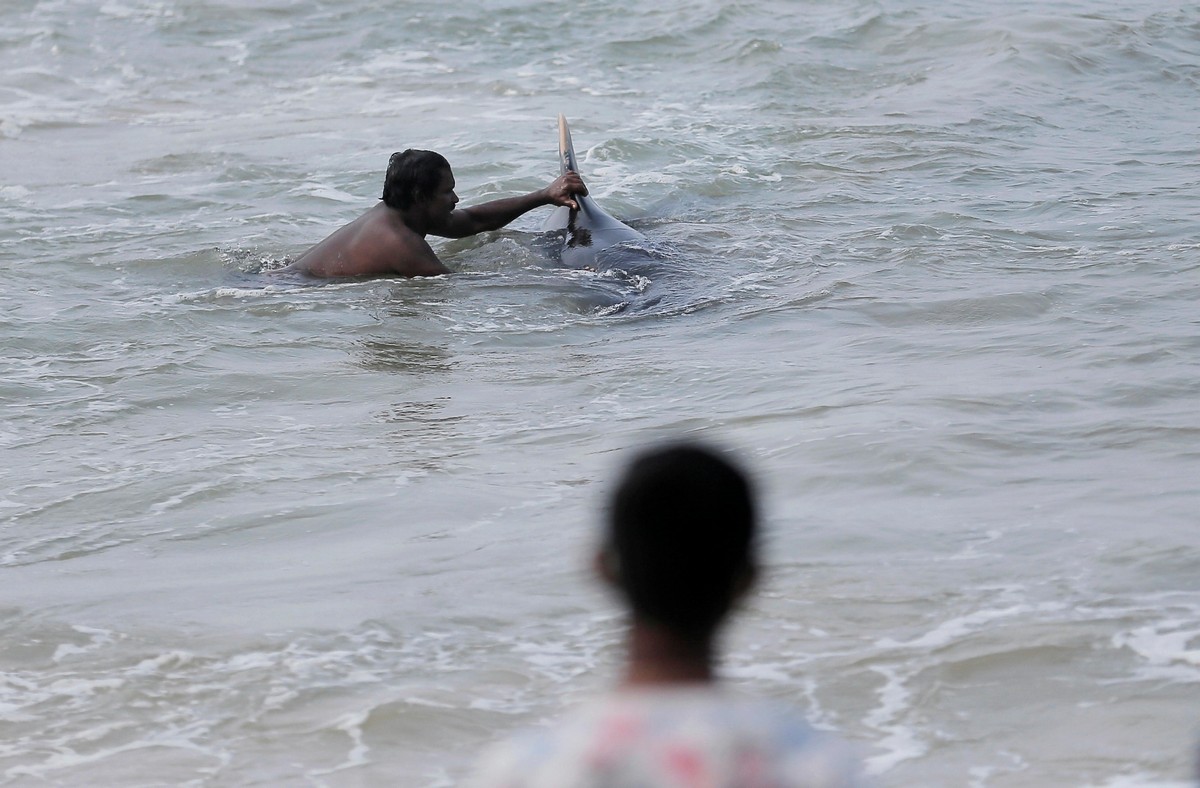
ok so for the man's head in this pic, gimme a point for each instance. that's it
(413, 176)
(681, 538)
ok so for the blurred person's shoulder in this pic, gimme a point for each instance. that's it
(702, 735)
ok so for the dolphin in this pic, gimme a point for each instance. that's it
(587, 230)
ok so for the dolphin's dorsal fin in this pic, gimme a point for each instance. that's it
(566, 150)
(587, 229)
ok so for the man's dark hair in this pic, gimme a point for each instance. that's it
(682, 527)
(411, 176)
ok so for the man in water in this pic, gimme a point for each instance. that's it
(419, 199)
(679, 549)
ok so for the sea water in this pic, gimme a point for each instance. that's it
(931, 270)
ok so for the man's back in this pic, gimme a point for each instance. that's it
(377, 243)
(690, 736)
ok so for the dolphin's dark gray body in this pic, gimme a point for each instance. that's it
(588, 230)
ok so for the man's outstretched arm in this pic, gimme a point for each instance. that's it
(497, 213)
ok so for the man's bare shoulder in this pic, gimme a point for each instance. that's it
(406, 249)
(378, 243)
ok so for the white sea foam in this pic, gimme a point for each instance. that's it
(956, 628)
(15, 193)
(326, 192)
(1142, 780)
(1170, 649)
(97, 639)
(900, 741)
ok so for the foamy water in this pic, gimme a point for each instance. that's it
(932, 272)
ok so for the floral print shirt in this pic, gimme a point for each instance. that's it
(674, 738)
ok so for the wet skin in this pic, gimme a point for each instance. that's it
(387, 241)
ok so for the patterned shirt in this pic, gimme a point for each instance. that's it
(698, 737)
